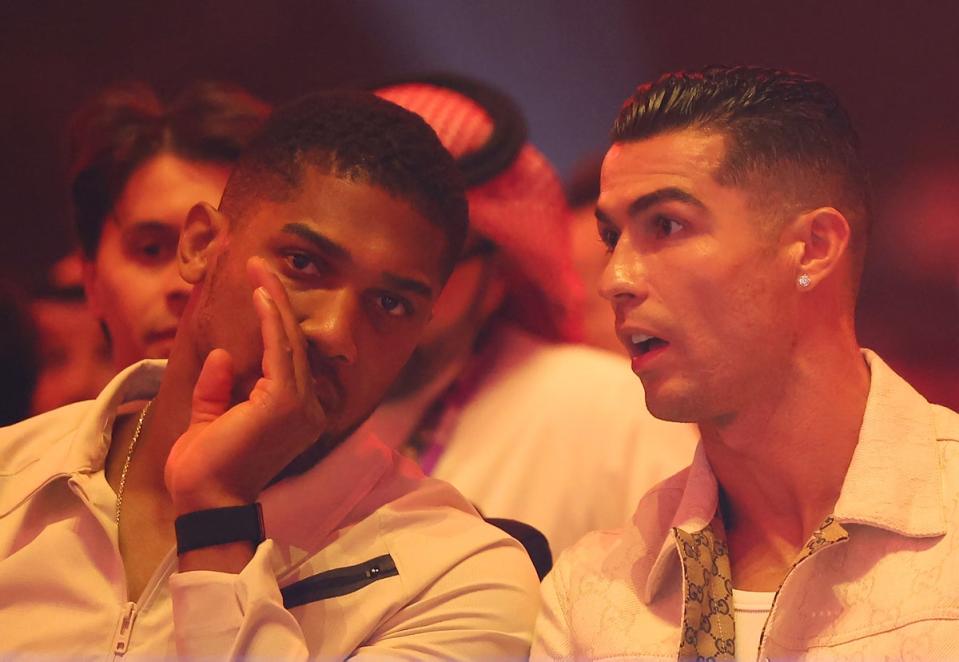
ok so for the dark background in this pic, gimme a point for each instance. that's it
(569, 63)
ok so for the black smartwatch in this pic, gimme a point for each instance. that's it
(219, 526)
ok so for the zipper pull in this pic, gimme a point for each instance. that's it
(122, 641)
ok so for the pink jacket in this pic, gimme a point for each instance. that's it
(878, 580)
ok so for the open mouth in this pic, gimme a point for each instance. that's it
(643, 344)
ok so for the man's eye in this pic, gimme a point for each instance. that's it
(302, 263)
(151, 250)
(154, 252)
(394, 306)
(665, 226)
(609, 237)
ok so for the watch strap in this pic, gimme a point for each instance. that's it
(219, 526)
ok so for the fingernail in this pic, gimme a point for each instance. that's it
(263, 293)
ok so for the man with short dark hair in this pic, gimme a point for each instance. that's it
(818, 519)
(211, 509)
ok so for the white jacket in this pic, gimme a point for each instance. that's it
(371, 559)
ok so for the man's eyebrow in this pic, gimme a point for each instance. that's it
(644, 202)
(304, 231)
(668, 194)
(140, 224)
(409, 284)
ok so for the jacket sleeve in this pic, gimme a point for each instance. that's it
(551, 638)
(218, 615)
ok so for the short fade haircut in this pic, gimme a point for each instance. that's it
(788, 138)
(358, 137)
(127, 124)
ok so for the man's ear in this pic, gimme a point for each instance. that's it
(204, 236)
(821, 240)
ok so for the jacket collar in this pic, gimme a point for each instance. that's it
(893, 482)
(70, 440)
(687, 501)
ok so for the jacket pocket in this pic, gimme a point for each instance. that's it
(339, 581)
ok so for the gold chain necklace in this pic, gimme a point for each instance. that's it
(126, 463)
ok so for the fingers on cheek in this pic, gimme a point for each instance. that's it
(263, 302)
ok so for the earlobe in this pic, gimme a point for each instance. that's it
(202, 238)
(825, 239)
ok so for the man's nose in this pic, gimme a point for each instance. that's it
(330, 325)
(624, 278)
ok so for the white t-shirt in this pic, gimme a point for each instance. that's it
(751, 610)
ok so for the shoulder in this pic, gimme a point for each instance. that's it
(433, 527)
(590, 555)
(458, 570)
(586, 579)
(946, 423)
(25, 442)
(612, 552)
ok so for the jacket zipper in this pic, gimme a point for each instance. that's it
(339, 581)
(122, 639)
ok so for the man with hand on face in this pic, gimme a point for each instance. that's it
(818, 519)
(209, 509)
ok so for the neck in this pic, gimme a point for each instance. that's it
(168, 417)
(781, 461)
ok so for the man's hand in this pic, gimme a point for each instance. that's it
(229, 454)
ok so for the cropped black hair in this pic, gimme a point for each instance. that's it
(359, 137)
(784, 130)
(125, 125)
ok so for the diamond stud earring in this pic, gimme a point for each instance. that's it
(804, 280)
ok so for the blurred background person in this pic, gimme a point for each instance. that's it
(590, 255)
(138, 165)
(74, 360)
(910, 303)
(497, 399)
